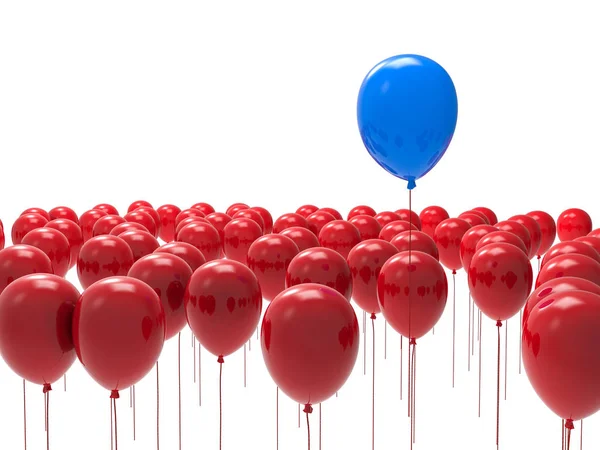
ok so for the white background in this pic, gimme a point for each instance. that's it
(255, 101)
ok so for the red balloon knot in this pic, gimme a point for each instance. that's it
(114, 393)
(47, 388)
(220, 359)
(498, 323)
(373, 316)
(454, 272)
(308, 409)
(569, 424)
(412, 341)
(539, 256)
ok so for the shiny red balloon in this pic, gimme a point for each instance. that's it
(167, 215)
(235, 208)
(39, 211)
(448, 236)
(127, 226)
(191, 212)
(24, 224)
(519, 230)
(385, 217)
(491, 215)
(412, 290)
(560, 353)
(143, 218)
(205, 208)
(63, 212)
(307, 210)
(334, 212)
(204, 237)
(288, 221)
(469, 241)
(168, 275)
(102, 257)
(138, 204)
(36, 314)
(252, 215)
(339, 235)
(415, 241)
(496, 237)
(88, 220)
(54, 244)
(308, 357)
(500, 280)
(568, 247)
(367, 226)
(592, 241)
(219, 220)
(473, 219)
(302, 237)
(188, 220)
(410, 216)
(361, 210)
(20, 260)
(107, 208)
(118, 331)
(72, 232)
(190, 254)
(479, 214)
(595, 233)
(240, 234)
(392, 229)
(155, 217)
(431, 217)
(547, 228)
(318, 220)
(321, 266)
(223, 303)
(570, 265)
(266, 217)
(105, 224)
(141, 243)
(573, 223)
(365, 261)
(269, 257)
(535, 232)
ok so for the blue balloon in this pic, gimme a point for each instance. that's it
(407, 110)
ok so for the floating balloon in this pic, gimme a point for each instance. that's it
(392, 229)
(20, 260)
(102, 257)
(367, 226)
(570, 265)
(334, 212)
(566, 247)
(491, 215)
(88, 220)
(72, 232)
(469, 241)
(431, 217)
(54, 244)
(167, 215)
(138, 204)
(190, 254)
(303, 237)
(240, 234)
(24, 224)
(105, 224)
(519, 230)
(497, 237)
(573, 223)
(288, 221)
(266, 217)
(143, 218)
(307, 210)
(204, 237)
(535, 232)
(339, 235)
(415, 241)
(141, 243)
(318, 220)
(547, 228)
(361, 210)
(38, 211)
(385, 217)
(235, 208)
(205, 208)
(448, 236)
(252, 215)
(63, 212)
(108, 209)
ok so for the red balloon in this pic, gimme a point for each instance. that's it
(118, 331)
(321, 266)
(479, 214)
(569, 247)
(54, 244)
(415, 241)
(469, 241)
(385, 217)
(339, 235)
(491, 215)
(105, 224)
(102, 257)
(448, 236)
(310, 358)
(141, 243)
(24, 224)
(547, 228)
(318, 220)
(592, 241)
(334, 212)
(500, 279)
(143, 218)
(192, 212)
(472, 218)
(519, 230)
(190, 254)
(367, 226)
(138, 204)
(239, 235)
(223, 303)
(205, 208)
(39, 211)
(570, 265)
(167, 214)
(269, 257)
(235, 208)
(431, 217)
(108, 209)
(88, 220)
(288, 221)
(20, 260)
(127, 226)
(365, 261)
(63, 212)
(36, 314)
(412, 290)
(535, 232)
(188, 220)
(252, 215)
(392, 229)
(168, 275)
(410, 216)
(307, 210)
(362, 210)
(73, 234)
(496, 237)
(302, 237)
(573, 223)
(266, 217)
(155, 217)
(595, 233)
(560, 343)
(219, 220)
(204, 237)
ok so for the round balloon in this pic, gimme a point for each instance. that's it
(547, 228)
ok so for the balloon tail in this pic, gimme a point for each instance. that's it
(412, 402)
(539, 258)
(479, 334)
(569, 426)
(179, 382)
(114, 395)
(373, 317)
(453, 324)
(498, 324)
(245, 364)
(46, 390)
(24, 415)
(133, 390)
(469, 338)
(277, 419)
(308, 410)
(158, 409)
(320, 426)
(520, 338)
(401, 363)
(220, 360)
(505, 358)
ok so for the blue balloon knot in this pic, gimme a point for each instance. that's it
(411, 184)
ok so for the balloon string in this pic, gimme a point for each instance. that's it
(469, 338)
(245, 364)
(453, 324)
(569, 426)
(520, 338)
(505, 358)
(472, 326)
(158, 409)
(277, 418)
(298, 415)
(539, 258)
(412, 377)
(581, 434)
(364, 343)
(220, 361)
(194, 351)
(65, 381)
(130, 397)
(478, 324)
(562, 426)
(47, 421)
(179, 382)
(24, 415)
(479, 334)
(498, 324)
(410, 380)
(320, 426)
(385, 340)
(401, 363)
(373, 317)
(199, 374)
(308, 410)
(134, 412)
(112, 425)
(116, 435)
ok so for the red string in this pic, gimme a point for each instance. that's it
(46, 390)
(569, 426)
(158, 409)
(24, 415)
(220, 360)
(498, 324)
(245, 364)
(319, 426)
(479, 334)
(308, 410)
(373, 317)
(116, 436)
(114, 395)
(453, 324)
(469, 337)
(179, 382)
(112, 424)
(505, 358)
(412, 376)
